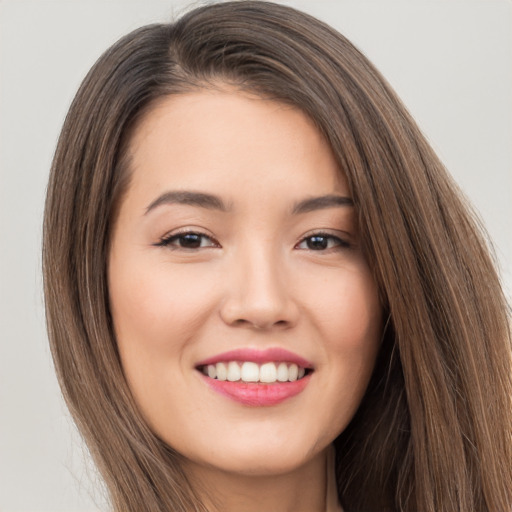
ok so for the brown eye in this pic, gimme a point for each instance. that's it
(188, 240)
(317, 243)
(322, 242)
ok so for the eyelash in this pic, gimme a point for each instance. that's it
(170, 241)
(339, 242)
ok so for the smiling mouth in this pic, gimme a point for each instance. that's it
(252, 372)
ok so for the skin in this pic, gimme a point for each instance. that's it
(255, 281)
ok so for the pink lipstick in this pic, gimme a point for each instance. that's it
(258, 356)
(256, 377)
(258, 395)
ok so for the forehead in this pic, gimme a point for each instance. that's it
(224, 139)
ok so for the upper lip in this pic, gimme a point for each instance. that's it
(258, 356)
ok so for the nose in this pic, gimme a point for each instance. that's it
(259, 294)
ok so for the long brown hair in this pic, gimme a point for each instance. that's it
(434, 430)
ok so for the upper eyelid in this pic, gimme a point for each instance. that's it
(334, 233)
(344, 241)
(322, 231)
(188, 230)
(166, 239)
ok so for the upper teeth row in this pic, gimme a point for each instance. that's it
(252, 372)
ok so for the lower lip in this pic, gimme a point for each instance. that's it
(257, 395)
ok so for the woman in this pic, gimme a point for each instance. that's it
(252, 254)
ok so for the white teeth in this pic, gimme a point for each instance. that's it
(282, 372)
(293, 372)
(249, 371)
(233, 371)
(268, 372)
(212, 371)
(222, 371)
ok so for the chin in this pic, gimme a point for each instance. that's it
(257, 456)
(255, 463)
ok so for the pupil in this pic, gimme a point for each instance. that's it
(317, 242)
(190, 241)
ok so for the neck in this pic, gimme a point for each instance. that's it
(300, 490)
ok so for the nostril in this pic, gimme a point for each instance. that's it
(259, 325)
(270, 325)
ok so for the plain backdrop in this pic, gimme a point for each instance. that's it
(450, 61)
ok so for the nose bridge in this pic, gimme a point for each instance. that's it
(258, 292)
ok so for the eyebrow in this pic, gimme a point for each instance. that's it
(200, 199)
(212, 202)
(321, 203)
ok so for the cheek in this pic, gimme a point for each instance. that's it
(158, 314)
(358, 327)
(347, 310)
(152, 305)
(349, 318)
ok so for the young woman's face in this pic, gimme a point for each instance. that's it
(246, 316)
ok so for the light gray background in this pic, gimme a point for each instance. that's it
(451, 62)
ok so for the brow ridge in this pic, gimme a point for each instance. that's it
(320, 203)
(191, 198)
(212, 202)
